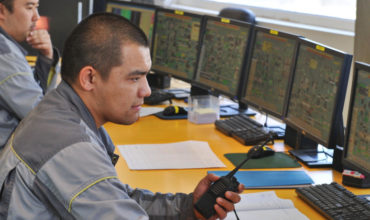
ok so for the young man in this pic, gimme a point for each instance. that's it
(59, 161)
(21, 89)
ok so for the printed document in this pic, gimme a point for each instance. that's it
(265, 206)
(179, 155)
(145, 111)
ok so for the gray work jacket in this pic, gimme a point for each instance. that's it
(21, 89)
(57, 164)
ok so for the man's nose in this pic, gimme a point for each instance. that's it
(145, 90)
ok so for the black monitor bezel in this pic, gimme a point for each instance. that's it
(133, 5)
(243, 98)
(359, 66)
(340, 94)
(180, 13)
(216, 91)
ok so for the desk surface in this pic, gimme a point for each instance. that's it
(151, 130)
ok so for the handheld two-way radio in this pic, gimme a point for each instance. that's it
(205, 205)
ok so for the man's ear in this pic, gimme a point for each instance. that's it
(2, 11)
(87, 78)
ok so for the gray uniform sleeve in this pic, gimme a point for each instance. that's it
(19, 91)
(88, 188)
(164, 206)
(45, 71)
(122, 202)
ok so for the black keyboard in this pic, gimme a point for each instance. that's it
(335, 202)
(244, 129)
(253, 136)
(179, 93)
(157, 97)
(236, 123)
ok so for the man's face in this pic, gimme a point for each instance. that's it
(22, 20)
(119, 98)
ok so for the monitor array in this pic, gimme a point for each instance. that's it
(290, 77)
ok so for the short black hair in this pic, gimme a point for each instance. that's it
(97, 41)
(8, 4)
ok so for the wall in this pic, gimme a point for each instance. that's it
(362, 30)
(334, 32)
(342, 40)
(361, 51)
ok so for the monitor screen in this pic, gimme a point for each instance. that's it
(318, 92)
(357, 142)
(141, 15)
(223, 50)
(175, 43)
(269, 67)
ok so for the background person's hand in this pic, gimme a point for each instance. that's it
(40, 40)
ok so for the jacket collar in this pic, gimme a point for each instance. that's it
(67, 91)
(24, 51)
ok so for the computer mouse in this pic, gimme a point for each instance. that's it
(174, 110)
(263, 152)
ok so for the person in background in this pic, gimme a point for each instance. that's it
(59, 163)
(22, 88)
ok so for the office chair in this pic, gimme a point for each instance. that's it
(241, 14)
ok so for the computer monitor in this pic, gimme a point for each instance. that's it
(316, 100)
(356, 154)
(175, 43)
(270, 64)
(223, 52)
(140, 14)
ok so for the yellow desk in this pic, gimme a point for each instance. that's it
(152, 130)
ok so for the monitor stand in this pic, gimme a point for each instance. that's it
(273, 125)
(232, 110)
(307, 151)
(179, 93)
(278, 130)
(314, 158)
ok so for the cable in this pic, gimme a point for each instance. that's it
(265, 125)
(236, 215)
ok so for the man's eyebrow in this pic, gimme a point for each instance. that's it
(32, 4)
(138, 72)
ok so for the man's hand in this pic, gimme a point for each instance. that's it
(223, 205)
(40, 40)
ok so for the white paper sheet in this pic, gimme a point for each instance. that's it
(265, 206)
(179, 155)
(145, 111)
